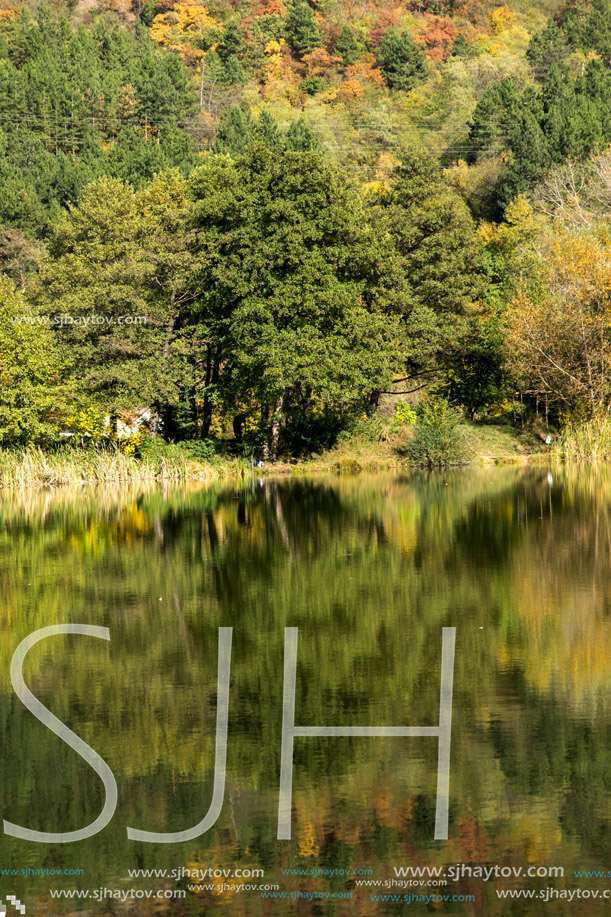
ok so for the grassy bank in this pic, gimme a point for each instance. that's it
(379, 448)
(473, 444)
(35, 467)
(589, 441)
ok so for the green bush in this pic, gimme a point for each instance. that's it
(438, 438)
(312, 85)
(200, 450)
(404, 414)
(368, 429)
(157, 451)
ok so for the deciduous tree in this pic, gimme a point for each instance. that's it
(118, 271)
(30, 371)
(559, 324)
(286, 262)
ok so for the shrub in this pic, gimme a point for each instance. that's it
(312, 85)
(438, 438)
(157, 452)
(404, 414)
(367, 429)
(200, 450)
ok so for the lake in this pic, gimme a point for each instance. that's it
(370, 570)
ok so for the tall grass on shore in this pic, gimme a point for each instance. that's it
(585, 442)
(35, 467)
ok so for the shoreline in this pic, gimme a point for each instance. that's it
(34, 467)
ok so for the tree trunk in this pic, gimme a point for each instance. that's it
(201, 88)
(155, 421)
(157, 409)
(212, 377)
(270, 450)
(238, 427)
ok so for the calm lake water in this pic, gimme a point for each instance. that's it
(370, 569)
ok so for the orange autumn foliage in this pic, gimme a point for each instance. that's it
(7, 15)
(319, 62)
(439, 38)
(387, 19)
(365, 71)
(351, 89)
(269, 8)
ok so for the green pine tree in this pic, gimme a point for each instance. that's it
(401, 60)
(347, 47)
(530, 158)
(233, 72)
(300, 138)
(598, 28)
(232, 44)
(267, 131)
(436, 272)
(302, 29)
(235, 132)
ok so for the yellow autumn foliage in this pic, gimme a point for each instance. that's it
(308, 846)
(180, 27)
(351, 89)
(501, 19)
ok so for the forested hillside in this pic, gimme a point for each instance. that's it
(255, 218)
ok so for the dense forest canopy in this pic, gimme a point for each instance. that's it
(262, 216)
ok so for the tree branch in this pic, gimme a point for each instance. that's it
(409, 392)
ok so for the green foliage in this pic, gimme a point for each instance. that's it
(480, 380)
(568, 114)
(232, 71)
(235, 131)
(310, 433)
(401, 60)
(232, 45)
(598, 28)
(200, 450)
(347, 47)
(360, 426)
(437, 438)
(462, 48)
(75, 104)
(30, 369)
(434, 273)
(294, 321)
(494, 115)
(312, 85)
(582, 442)
(117, 273)
(238, 132)
(266, 131)
(301, 27)
(404, 415)
(155, 451)
(547, 48)
(300, 138)
(478, 377)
